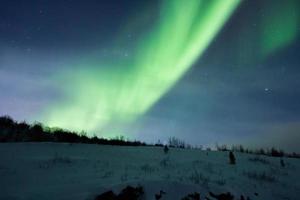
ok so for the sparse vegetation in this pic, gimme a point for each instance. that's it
(56, 160)
(259, 159)
(164, 163)
(273, 152)
(198, 178)
(260, 176)
(148, 169)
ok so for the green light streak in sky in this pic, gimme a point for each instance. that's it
(280, 25)
(101, 94)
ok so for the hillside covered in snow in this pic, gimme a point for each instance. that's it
(82, 171)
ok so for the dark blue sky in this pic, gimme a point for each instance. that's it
(233, 94)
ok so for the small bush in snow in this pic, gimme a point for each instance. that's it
(231, 158)
(166, 149)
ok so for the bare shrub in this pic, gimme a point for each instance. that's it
(231, 158)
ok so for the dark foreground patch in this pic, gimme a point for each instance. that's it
(128, 193)
(137, 193)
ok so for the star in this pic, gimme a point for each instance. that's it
(267, 89)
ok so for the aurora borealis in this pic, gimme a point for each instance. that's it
(205, 71)
(128, 90)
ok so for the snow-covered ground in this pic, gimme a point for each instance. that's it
(38, 171)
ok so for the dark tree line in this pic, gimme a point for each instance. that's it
(273, 152)
(12, 131)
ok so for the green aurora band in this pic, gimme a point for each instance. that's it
(100, 94)
(280, 26)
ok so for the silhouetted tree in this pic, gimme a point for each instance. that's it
(6, 122)
(37, 133)
(21, 132)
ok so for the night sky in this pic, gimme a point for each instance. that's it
(206, 72)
